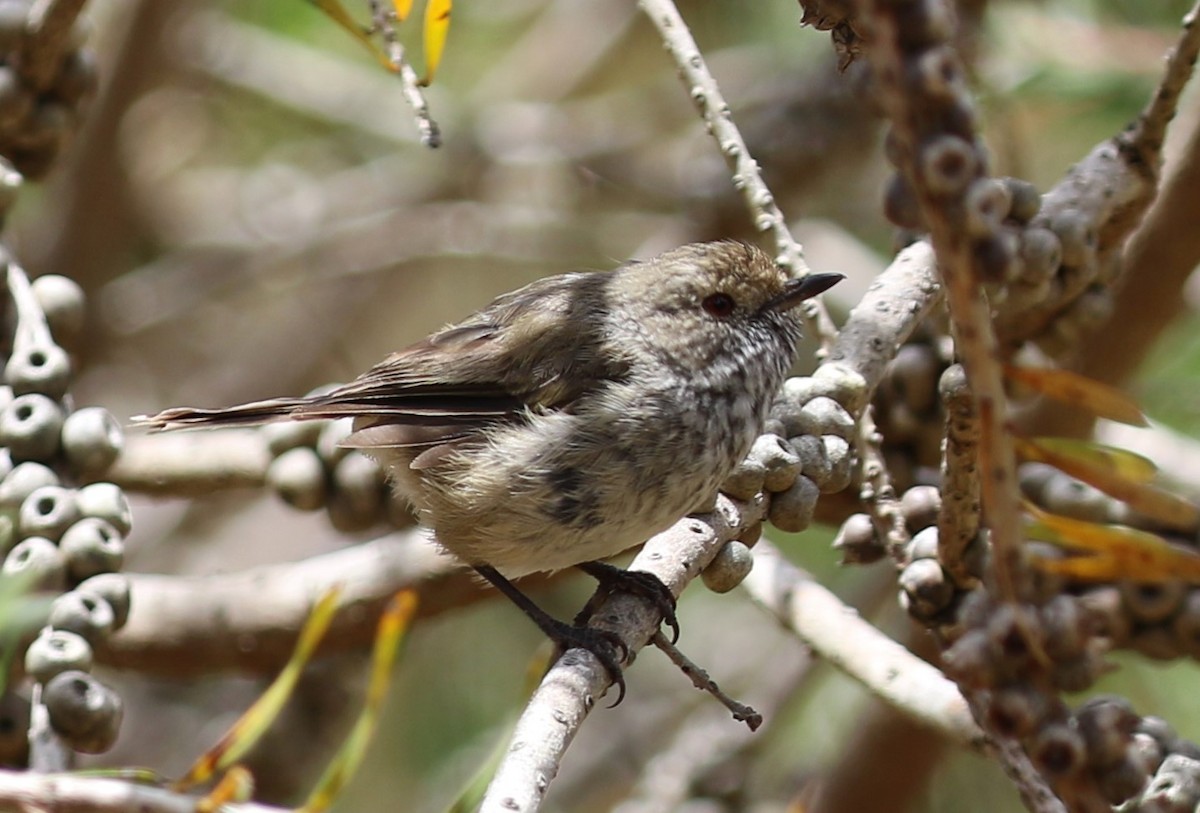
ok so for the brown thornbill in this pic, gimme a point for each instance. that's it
(575, 417)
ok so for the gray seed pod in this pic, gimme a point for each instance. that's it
(1175, 787)
(92, 546)
(997, 257)
(1058, 750)
(1160, 730)
(48, 512)
(926, 588)
(780, 462)
(1066, 627)
(1149, 753)
(751, 535)
(1106, 613)
(1077, 236)
(900, 204)
(842, 384)
(1026, 202)
(298, 476)
(1018, 710)
(814, 463)
(920, 506)
(23, 480)
(82, 613)
(1033, 479)
(1067, 496)
(83, 711)
(359, 481)
(823, 416)
(38, 560)
(858, 542)
(792, 510)
(971, 662)
(936, 70)
(113, 588)
(1078, 674)
(30, 426)
(1041, 254)
(283, 436)
(841, 464)
(63, 303)
(329, 442)
(1016, 634)
(912, 376)
(106, 501)
(1122, 781)
(91, 440)
(40, 368)
(1107, 723)
(349, 518)
(1153, 603)
(729, 567)
(924, 544)
(986, 205)
(947, 164)
(746, 480)
(56, 651)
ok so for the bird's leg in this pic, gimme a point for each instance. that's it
(638, 582)
(607, 646)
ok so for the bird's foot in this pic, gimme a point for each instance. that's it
(638, 582)
(607, 646)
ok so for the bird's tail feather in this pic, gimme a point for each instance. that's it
(252, 414)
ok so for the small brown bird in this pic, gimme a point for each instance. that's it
(575, 417)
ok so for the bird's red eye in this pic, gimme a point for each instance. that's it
(718, 305)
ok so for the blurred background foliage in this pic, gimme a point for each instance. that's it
(251, 213)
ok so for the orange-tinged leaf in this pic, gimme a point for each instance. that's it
(248, 728)
(1117, 474)
(1079, 391)
(437, 27)
(393, 626)
(1113, 551)
(403, 9)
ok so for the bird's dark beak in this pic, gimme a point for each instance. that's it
(797, 290)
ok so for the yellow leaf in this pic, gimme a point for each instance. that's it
(247, 730)
(1120, 462)
(437, 26)
(1114, 551)
(393, 625)
(1079, 391)
(402, 7)
(1117, 473)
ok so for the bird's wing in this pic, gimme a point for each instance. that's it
(533, 348)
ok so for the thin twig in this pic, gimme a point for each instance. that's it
(840, 636)
(702, 87)
(381, 19)
(701, 680)
(877, 491)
